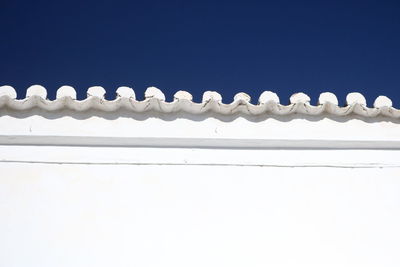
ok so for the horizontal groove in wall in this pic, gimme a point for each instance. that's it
(197, 142)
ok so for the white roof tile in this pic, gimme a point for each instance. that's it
(212, 101)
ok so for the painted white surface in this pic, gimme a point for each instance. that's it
(274, 192)
(97, 128)
(198, 216)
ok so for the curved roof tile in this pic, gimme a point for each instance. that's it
(212, 101)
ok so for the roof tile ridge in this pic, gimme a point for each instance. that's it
(36, 96)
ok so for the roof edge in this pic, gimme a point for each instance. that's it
(268, 102)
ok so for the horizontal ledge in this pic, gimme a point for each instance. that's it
(227, 143)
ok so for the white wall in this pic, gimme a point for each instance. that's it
(232, 204)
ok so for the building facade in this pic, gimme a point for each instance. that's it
(155, 183)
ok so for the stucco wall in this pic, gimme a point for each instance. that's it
(173, 190)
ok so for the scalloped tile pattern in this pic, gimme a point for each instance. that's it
(212, 101)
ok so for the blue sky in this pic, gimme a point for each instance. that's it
(227, 46)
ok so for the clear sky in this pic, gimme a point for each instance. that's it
(227, 46)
